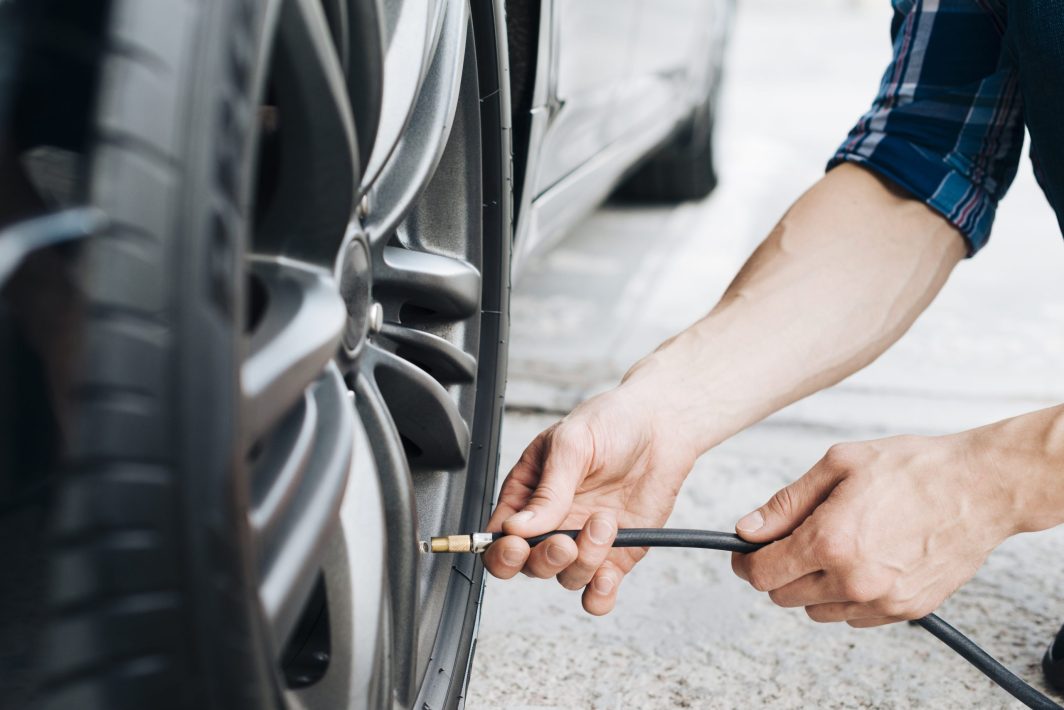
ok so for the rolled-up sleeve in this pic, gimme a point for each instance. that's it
(947, 122)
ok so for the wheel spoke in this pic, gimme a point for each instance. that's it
(291, 540)
(300, 330)
(336, 16)
(405, 24)
(425, 414)
(442, 359)
(365, 74)
(413, 163)
(447, 286)
(397, 490)
(311, 198)
(282, 466)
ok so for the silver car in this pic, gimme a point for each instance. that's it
(255, 259)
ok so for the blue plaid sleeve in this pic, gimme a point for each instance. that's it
(947, 123)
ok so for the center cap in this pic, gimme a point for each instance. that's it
(356, 279)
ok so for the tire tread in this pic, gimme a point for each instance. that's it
(115, 597)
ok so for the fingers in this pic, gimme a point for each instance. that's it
(520, 482)
(777, 564)
(566, 462)
(875, 621)
(581, 563)
(551, 556)
(593, 546)
(506, 556)
(600, 595)
(857, 615)
(837, 611)
(792, 504)
(814, 588)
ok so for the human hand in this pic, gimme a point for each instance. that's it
(880, 531)
(613, 462)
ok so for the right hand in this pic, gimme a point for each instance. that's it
(610, 463)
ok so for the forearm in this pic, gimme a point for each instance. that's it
(1021, 462)
(841, 277)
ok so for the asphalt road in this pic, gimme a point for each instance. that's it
(686, 633)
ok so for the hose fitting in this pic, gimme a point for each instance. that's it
(475, 542)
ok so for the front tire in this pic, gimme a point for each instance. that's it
(270, 394)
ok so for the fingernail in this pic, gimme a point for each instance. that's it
(602, 585)
(556, 555)
(512, 557)
(752, 522)
(523, 517)
(600, 531)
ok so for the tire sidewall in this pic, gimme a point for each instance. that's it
(227, 65)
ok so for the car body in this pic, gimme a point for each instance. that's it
(613, 80)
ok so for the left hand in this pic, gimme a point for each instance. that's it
(879, 531)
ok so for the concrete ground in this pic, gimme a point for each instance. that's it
(686, 632)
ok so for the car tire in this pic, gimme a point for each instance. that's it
(155, 594)
(683, 169)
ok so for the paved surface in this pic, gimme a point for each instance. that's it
(686, 633)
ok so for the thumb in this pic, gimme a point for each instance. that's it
(570, 450)
(788, 508)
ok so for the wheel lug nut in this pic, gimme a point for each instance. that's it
(363, 206)
(376, 318)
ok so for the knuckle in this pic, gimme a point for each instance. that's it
(759, 581)
(544, 494)
(537, 572)
(533, 453)
(782, 502)
(833, 550)
(600, 531)
(570, 581)
(574, 436)
(590, 557)
(858, 589)
(913, 610)
(843, 457)
(779, 599)
(817, 614)
(738, 565)
(507, 560)
(889, 607)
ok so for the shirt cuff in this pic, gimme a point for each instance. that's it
(928, 178)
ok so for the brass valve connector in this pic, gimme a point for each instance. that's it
(477, 542)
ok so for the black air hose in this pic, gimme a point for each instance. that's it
(713, 540)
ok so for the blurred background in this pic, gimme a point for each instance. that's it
(686, 632)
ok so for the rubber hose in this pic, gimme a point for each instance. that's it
(714, 540)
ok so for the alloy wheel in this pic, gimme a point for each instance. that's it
(373, 333)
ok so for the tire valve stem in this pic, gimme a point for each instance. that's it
(475, 542)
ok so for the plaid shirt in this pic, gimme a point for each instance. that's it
(947, 122)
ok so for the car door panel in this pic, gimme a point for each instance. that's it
(590, 42)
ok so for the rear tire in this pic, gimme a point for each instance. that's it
(681, 170)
